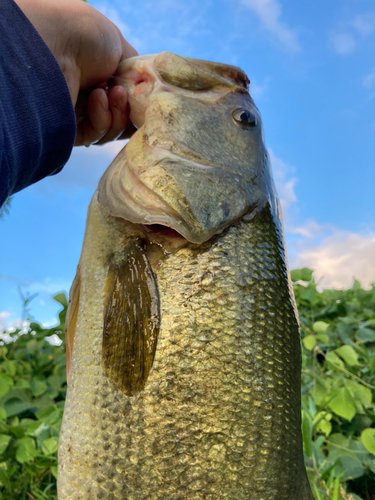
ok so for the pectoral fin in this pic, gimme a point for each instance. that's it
(71, 319)
(131, 321)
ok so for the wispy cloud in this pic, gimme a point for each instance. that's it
(341, 257)
(342, 43)
(337, 257)
(285, 181)
(345, 37)
(369, 80)
(3, 321)
(364, 24)
(269, 12)
(257, 90)
(113, 15)
(84, 169)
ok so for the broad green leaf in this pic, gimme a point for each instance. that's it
(320, 326)
(371, 465)
(15, 407)
(343, 404)
(304, 274)
(339, 439)
(49, 415)
(322, 422)
(356, 285)
(333, 359)
(3, 351)
(61, 299)
(5, 384)
(338, 445)
(56, 382)
(4, 441)
(323, 337)
(3, 414)
(10, 367)
(351, 468)
(26, 450)
(49, 446)
(17, 431)
(310, 294)
(38, 387)
(348, 354)
(309, 342)
(319, 394)
(37, 430)
(43, 402)
(363, 394)
(365, 335)
(368, 440)
(22, 384)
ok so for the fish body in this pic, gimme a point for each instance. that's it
(185, 367)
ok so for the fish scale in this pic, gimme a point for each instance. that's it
(221, 406)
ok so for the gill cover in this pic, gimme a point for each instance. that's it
(197, 162)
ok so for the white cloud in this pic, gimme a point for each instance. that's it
(269, 12)
(364, 24)
(339, 258)
(257, 90)
(3, 322)
(285, 182)
(345, 38)
(83, 170)
(343, 43)
(113, 15)
(48, 286)
(369, 80)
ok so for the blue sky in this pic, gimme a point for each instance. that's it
(312, 72)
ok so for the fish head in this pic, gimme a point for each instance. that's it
(197, 162)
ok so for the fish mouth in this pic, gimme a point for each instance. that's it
(163, 230)
(190, 170)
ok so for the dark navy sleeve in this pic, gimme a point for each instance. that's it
(37, 122)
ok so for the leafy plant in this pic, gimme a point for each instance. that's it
(32, 395)
(338, 383)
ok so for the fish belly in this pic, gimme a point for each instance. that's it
(219, 415)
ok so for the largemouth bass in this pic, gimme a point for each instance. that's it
(183, 345)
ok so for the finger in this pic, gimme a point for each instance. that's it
(96, 120)
(127, 49)
(119, 107)
(128, 132)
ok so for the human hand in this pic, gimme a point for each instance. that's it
(88, 48)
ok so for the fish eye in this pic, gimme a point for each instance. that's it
(244, 117)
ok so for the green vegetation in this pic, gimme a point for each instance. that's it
(338, 383)
(338, 411)
(32, 395)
